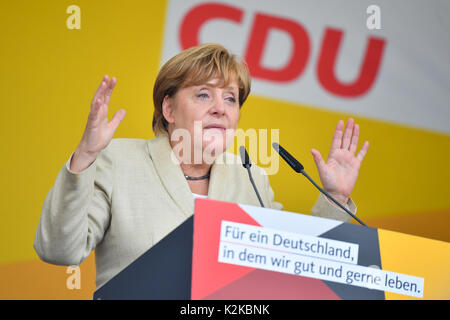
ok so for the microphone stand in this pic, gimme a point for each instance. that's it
(247, 164)
(298, 167)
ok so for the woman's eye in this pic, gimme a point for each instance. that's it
(231, 99)
(202, 95)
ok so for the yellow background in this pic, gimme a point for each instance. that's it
(424, 258)
(50, 73)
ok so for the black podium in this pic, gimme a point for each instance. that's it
(163, 272)
(207, 264)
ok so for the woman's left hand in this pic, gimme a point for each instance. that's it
(339, 173)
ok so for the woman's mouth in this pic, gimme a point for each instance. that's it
(215, 126)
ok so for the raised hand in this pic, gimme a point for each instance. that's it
(339, 174)
(98, 132)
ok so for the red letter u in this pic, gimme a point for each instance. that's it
(367, 73)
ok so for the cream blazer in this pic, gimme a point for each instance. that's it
(131, 197)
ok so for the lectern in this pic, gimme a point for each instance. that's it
(233, 251)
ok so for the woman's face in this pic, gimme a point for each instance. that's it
(209, 114)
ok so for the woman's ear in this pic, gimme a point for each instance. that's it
(167, 109)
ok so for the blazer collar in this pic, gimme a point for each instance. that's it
(173, 179)
(170, 173)
(218, 181)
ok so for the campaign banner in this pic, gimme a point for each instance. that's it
(247, 252)
(387, 61)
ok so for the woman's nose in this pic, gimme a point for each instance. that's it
(218, 106)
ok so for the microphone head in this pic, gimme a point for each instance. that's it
(297, 166)
(276, 146)
(244, 157)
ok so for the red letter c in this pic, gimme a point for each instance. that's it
(197, 16)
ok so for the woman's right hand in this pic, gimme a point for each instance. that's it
(98, 132)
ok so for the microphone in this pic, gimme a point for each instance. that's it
(297, 166)
(247, 164)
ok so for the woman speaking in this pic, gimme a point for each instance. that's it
(121, 196)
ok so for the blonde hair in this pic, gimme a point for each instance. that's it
(196, 66)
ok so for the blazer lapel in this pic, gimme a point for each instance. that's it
(170, 173)
(218, 181)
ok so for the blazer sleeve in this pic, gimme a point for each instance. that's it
(76, 213)
(323, 207)
(326, 209)
(270, 193)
